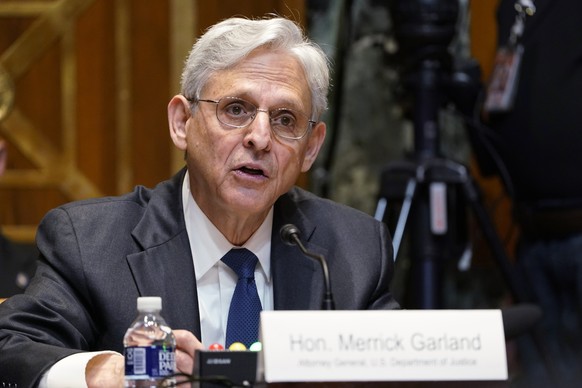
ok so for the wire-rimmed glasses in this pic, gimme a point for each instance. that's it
(238, 113)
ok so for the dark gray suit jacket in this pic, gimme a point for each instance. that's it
(98, 256)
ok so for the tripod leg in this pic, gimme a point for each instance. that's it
(515, 283)
(403, 216)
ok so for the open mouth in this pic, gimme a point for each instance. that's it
(251, 171)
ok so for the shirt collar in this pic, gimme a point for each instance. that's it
(209, 245)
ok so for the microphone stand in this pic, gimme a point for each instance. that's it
(290, 235)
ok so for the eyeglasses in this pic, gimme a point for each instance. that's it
(238, 113)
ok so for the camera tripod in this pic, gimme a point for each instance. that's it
(425, 185)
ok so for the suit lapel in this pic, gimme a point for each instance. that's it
(164, 267)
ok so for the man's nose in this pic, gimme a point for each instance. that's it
(259, 132)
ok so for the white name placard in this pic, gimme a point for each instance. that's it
(403, 345)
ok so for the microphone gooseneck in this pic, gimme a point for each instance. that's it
(290, 236)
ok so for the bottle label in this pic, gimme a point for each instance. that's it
(149, 361)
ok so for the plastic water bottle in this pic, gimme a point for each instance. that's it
(149, 347)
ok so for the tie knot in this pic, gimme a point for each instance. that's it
(242, 261)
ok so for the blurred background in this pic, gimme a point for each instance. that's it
(84, 86)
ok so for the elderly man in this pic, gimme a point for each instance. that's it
(247, 120)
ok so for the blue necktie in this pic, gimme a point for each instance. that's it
(245, 307)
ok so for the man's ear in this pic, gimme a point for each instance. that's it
(314, 143)
(178, 114)
(3, 156)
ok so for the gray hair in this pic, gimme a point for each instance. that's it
(227, 43)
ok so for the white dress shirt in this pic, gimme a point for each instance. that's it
(215, 283)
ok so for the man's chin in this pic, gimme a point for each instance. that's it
(249, 202)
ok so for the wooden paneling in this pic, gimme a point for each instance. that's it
(484, 33)
(84, 85)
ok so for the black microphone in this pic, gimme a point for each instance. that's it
(519, 319)
(290, 236)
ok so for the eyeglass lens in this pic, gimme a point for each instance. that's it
(285, 122)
